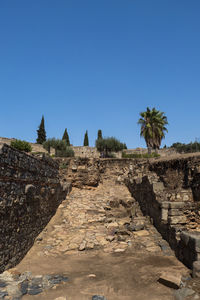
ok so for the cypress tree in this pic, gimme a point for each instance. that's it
(66, 137)
(41, 132)
(99, 134)
(86, 140)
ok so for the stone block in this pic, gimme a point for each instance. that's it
(165, 204)
(177, 204)
(175, 212)
(177, 220)
(185, 236)
(170, 280)
(185, 197)
(164, 214)
(141, 233)
(158, 187)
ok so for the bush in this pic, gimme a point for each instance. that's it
(21, 145)
(136, 155)
(186, 148)
(61, 149)
(67, 152)
(108, 145)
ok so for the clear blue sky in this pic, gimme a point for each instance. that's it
(96, 64)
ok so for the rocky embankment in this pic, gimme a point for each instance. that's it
(99, 227)
(101, 243)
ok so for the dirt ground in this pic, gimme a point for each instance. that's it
(117, 270)
(125, 276)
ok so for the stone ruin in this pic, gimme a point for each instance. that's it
(167, 191)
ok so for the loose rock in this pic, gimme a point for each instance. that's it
(170, 280)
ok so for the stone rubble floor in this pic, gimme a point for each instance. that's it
(103, 247)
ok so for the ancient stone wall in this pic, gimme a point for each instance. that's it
(91, 152)
(86, 151)
(168, 192)
(86, 172)
(30, 192)
(162, 152)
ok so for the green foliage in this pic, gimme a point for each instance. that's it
(48, 144)
(124, 146)
(153, 128)
(66, 137)
(86, 140)
(21, 145)
(136, 155)
(64, 165)
(67, 152)
(99, 134)
(61, 149)
(186, 148)
(41, 132)
(108, 145)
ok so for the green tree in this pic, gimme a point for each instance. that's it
(86, 140)
(108, 145)
(21, 145)
(99, 134)
(153, 128)
(41, 132)
(61, 149)
(66, 137)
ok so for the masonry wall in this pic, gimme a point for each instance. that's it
(86, 172)
(30, 192)
(91, 152)
(169, 192)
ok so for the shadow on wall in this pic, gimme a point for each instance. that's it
(29, 196)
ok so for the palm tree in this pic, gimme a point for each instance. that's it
(153, 128)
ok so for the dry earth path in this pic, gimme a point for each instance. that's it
(102, 243)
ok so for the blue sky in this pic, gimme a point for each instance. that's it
(96, 65)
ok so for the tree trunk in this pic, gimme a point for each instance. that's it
(149, 150)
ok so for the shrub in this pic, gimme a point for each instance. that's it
(108, 145)
(186, 148)
(61, 149)
(137, 155)
(67, 152)
(21, 145)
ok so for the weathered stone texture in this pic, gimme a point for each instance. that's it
(30, 192)
(168, 192)
(86, 172)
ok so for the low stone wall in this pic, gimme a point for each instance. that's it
(162, 152)
(86, 151)
(91, 152)
(168, 192)
(30, 192)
